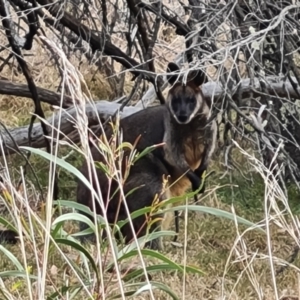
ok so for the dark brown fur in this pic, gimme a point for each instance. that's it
(146, 175)
(8, 236)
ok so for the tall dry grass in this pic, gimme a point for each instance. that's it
(51, 262)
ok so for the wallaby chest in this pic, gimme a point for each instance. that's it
(192, 140)
(193, 152)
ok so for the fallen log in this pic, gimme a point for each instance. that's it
(276, 87)
(19, 135)
(19, 89)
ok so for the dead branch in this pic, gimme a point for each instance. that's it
(167, 15)
(20, 135)
(33, 22)
(275, 87)
(91, 37)
(21, 90)
(147, 45)
(12, 39)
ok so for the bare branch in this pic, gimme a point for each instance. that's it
(22, 90)
(91, 37)
(167, 15)
(105, 109)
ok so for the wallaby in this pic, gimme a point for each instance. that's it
(189, 139)
(189, 142)
(182, 124)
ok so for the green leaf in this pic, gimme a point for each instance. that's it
(125, 145)
(7, 224)
(153, 254)
(142, 287)
(119, 296)
(14, 274)
(63, 290)
(216, 212)
(12, 258)
(134, 274)
(62, 163)
(146, 151)
(133, 190)
(144, 239)
(56, 229)
(101, 166)
(83, 208)
(80, 248)
(73, 217)
(134, 215)
(77, 206)
(153, 285)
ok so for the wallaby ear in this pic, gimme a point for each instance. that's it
(200, 78)
(172, 67)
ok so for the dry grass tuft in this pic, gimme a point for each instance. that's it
(212, 246)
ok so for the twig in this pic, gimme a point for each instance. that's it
(146, 43)
(7, 24)
(17, 150)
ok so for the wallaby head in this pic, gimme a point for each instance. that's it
(185, 101)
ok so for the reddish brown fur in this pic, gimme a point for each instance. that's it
(193, 154)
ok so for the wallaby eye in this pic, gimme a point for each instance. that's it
(175, 102)
(192, 100)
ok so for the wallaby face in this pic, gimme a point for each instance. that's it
(184, 101)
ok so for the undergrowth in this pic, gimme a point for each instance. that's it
(218, 256)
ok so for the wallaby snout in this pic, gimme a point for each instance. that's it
(183, 108)
(183, 118)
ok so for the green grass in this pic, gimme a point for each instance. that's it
(209, 241)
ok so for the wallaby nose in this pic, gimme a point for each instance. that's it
(182, 118)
